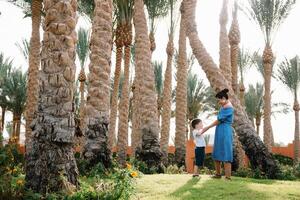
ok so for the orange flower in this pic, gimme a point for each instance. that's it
(20, 182)
(128, 166)
(134, 174)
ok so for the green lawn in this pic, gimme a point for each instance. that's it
(184, 187)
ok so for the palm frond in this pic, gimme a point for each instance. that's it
(24, 48)
(158, 77)
(82, 47)
(156, 9)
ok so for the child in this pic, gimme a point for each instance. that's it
(199, 145)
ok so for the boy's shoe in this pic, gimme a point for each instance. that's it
(216, 176)
(195, 175)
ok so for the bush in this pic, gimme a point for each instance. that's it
(244, 172)
(287, 172)
(174, 169)
(283, 160)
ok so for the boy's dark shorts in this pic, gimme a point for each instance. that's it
(199, 156)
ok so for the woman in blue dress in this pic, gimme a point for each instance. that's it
(222, 151)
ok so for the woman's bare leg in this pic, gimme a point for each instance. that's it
(196, 170)
(227, 166)
(218, 167)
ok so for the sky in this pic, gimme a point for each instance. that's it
(14, 27)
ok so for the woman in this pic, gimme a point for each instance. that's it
(222, 151)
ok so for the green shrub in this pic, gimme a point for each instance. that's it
(174, 169)
(283, 160)
(244, 172)
(287, 173)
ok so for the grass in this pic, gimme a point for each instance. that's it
(184, 187)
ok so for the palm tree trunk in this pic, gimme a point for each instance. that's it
(150, 151)
(167, 102)
(181, 97)
(97, 107)
(224, 43)
(3, 119)
(14, 128)
(34, 64)
(82, 79)
(135, 134)
(18, 128)
(234, 39)
(51, 165)
(258, 122)
(124, 111)
(296, 108)
(114, 99)
(152, 41)
(254, 148)
(268, 62)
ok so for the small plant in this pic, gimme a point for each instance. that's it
(174, 169)
(283, 160)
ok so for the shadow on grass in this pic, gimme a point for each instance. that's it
(220, 189)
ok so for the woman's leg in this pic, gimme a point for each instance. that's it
(227, 166)
(218, 167)
(196, 170)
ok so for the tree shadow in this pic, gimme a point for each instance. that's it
(220, 189)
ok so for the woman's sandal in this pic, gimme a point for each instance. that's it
(216, 176)
(195, 175)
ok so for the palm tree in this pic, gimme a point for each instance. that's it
(51, 164)
(257, 154)
(158, 86)
(86, 7)
(14, 90)
(127, 9)
(119, 41)
(234, 40)
(269, 15)
(5, 68)
(244, 63)
(289, 75)
(181, 97)
(97, 106)
(82, 50)
(225, 64)
(156, 9)
(150, 150)
(167, 89)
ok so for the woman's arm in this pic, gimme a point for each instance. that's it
(215, 123)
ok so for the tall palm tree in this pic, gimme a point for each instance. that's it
(257, 154)
(244, 63)
(119, 42)
(97, 106)
(14, 90)
(82, 50)
(269, 15)
(181, 97)
(51, 164)
(234, 40)
(257, 61)
(5, 68)
(225, 64)
(167, 89)
(289, 75)
(150, 150)
(158, 86)
(127, 7)
(156, 9)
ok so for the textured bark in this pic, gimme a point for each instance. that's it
(124, 106)
(33, 71)
(135, 136)
(254, 147)
(167, 102)
(114, 97)
(97, 107)
(296, 109)
(242, 94)
(257, 123)
(234, 40)
(152, 41)
(114, 100)
(150, 151)
(181, 97)
(82, 79)
(224, 43)
(268, 62)
(51, 165)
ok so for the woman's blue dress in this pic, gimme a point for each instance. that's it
(224, 136)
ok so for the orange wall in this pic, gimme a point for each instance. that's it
(190, 153)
